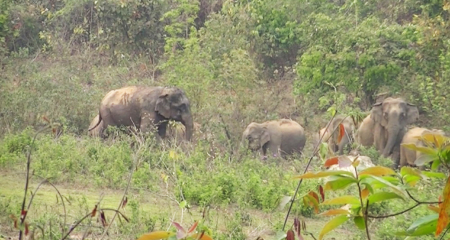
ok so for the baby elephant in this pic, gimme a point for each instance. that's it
(281, 137)
(409, 156)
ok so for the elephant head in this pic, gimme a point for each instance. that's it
(393, 114)
(173, 104)
(257, 135)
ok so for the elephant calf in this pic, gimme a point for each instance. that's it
(332, 134)
(281, 137)
(409, 156)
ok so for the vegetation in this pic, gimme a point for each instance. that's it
(238, 61)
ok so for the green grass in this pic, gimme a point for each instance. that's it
(241, 198)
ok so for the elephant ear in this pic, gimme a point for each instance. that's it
(412, 113)
(265, 136)
(377, 114)
(163, 104)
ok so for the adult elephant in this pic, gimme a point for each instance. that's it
(95, 129)
(364, 134)
(280, 137)
(146, 108)
(412, 136)
(390, 119)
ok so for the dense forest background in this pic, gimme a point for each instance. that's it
(238, 61)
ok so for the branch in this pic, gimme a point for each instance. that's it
(315, 151)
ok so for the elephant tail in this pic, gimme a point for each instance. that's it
(98, 123)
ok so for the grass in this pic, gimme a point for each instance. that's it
(240, 198)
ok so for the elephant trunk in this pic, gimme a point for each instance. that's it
(189, 125)
(393, 132)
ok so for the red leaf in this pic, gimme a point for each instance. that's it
(341, 132)
(314, 195)
(331, 161)
(103, 219)
(322, 193)
(124, 202)
(193, 227)
(94, 211)
(444, 210)
(23, 214)
(290, 235)
(27, 229)
(181, 233)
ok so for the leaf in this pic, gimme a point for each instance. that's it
(331, 161)
(310, 200)
(340, 183)
(27, 229)
(434, 174)
(435, 138)
(377, 171)
(156, 235)
(290, 235)
(201, 236)
(359, 222)
(422, 221)
(423, 226)
(341, 132)
(322, 193)
(364, 193)
(193, 227)
(332, 224)
(333, 212)
(181, 233)
(414, 147)
(94, 211)
(409, 171)
(284, 200)
(183, 204)
(411, 180)
(423, 159)
(398, 190)
(444, 210)
(382, 196)
(314, 195)
(323, 174)
(356, 162)
(342, 200)
(103, 219)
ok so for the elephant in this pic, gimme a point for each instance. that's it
(409, 156)
(347, 138)
(95, 132)
(281, 137)
(390, 119)
(364, 134)
(332, 134)
(146, 108)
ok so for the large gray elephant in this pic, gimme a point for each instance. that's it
(281, 137)
(390, 119)
(146, 108)
(412, 136)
